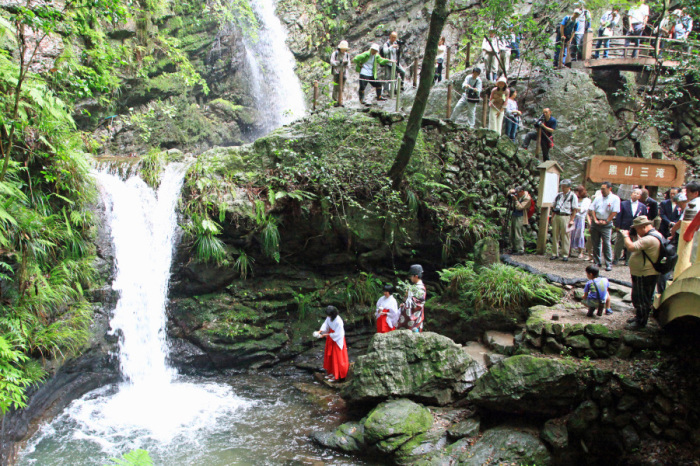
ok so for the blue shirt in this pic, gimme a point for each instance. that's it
(602, 284)
(569, 25)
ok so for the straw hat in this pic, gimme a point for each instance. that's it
(343, 45)
(641, 221)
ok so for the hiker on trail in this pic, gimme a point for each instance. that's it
(601, 213)
(514, 42)
(578, 239)
(519, 219)
(335, 356)
(683, 24)
(387, 313)
(504, 52)
(595, 293)
(392, 51)
(608, 22)
(638, 17)
(548, 124)
(565, 34)
(651, 204)
(413, 308)
(512, 117)
(645, 252)
(629, 210)
(564, 208)
(340, 62)
(583, 24)
(669, 212)
(366, 64)
(440, 59)
(489, 49)
(497, 104)
(472, 87)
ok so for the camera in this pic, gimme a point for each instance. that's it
(400, 41)
(538, 122)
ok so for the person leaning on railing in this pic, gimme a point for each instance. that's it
(607, 25)
(683, 26)
(638, 17)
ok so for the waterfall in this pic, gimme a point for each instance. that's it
(275, 86)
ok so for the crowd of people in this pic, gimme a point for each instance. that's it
(646, 236)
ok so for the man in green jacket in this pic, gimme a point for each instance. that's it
(366, 64)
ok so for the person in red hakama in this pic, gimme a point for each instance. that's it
(335, 356)
(387, 314)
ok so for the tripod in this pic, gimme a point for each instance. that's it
(507, 218)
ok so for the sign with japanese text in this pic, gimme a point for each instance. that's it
(631, 170)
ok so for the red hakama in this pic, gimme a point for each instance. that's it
(335, 360)
(383, 325)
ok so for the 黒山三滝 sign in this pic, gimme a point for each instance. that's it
(629, 170)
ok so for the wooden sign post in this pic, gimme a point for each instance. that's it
(632, 170)
(547, 190)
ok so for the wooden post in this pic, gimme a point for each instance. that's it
(415, 72)
(562, 44)
(341, 83)
(392, 84)
(398, 93)
(539, 137)
(449, 86)
(485, 112)
(542, 233)
(315, 94)
(587, 45)
(469, 53)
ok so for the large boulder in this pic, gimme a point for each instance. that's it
(423, 366)
(526, 384)
(393, 423)
(506, 446)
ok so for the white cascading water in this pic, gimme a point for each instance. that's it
(275, 86)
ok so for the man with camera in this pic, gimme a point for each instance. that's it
(564, 209)
(472, 87)
(392, 51)
(520, 199)
(547, 124)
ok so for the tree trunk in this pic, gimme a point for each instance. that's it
(415, 119)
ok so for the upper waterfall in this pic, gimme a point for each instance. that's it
(276, 88)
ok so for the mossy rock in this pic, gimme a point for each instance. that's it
(579, 342)
(526, 384)
(393, 423)
(502, 445)
(602, 332)
(349, 437)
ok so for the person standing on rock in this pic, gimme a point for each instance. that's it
(565, 34)
(490, 50)
(638, 17)
(547, 123)
(387, 313)
(512, 118)
(366, 64)
(335, 356)
(340, 62)
(608, 22)
(413, 308)
(578, 240)
(564, 208)
(497, 104)
(392, 51)
(519, 219)
(645, 252)
(601, 213)
(583, 23)
(629, 210)
(440, 59)
(472, 87)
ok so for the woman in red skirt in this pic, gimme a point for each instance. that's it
(335, 357)
(387, 314)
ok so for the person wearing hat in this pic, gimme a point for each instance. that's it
(519, 219)
(629, 210)
(490, 51)
(497, 104)
(413, 308)
(683, 24)
(564, 209)
(335, 355)
(471, 87)
(583, 24)
(366, 64)
(387, 313)
(340, 61)
(638, 17)
(645, 252)
(565, 34)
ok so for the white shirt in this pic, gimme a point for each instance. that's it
(486, 47)
(634, 205)
(604, 206)
(441, 52)
(583, 205)
(368, 67)
(338, 335)
(511, 106)
(389, 303)
(638, 13)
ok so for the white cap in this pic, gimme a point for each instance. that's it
(577, 11)
(375, 47)
(343, 45)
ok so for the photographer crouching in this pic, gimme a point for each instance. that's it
(519, 200)
(547, 124)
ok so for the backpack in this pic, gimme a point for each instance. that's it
(667, 255)
(531, 209)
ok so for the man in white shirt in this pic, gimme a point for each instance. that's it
(490, 49)
(638, 17)
(601, 213)
(470, 99)
(564, 209)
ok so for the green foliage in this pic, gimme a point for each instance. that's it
(499, 287)
(268, 231)
(152, 166)
(133, 458)
(303, 302)
(363, 290)
(206, 246)
(243, 265)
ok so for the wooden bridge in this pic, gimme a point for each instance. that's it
(635, 51)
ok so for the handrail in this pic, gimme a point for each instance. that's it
(642, 47)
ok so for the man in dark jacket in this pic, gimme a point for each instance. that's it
(629, 210)
(652, 205)
(669, 212)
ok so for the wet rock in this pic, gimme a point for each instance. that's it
(393, 423)
(466, 428)
(504, 445)
(423, 366)
(500, 342)
(583, 416)
(526, 384)
(349, 437)
(555, 434)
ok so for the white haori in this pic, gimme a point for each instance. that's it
(389, 303)
(336, 325)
